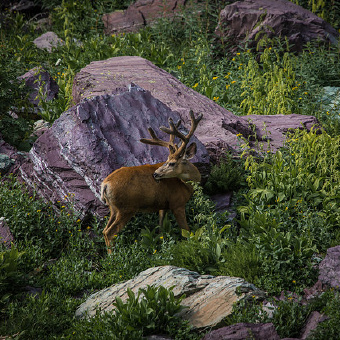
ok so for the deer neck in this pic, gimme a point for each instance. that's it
(194, 175)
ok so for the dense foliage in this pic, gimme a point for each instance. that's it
(287, 202)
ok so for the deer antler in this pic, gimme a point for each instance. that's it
(156, 141)
(173, 131)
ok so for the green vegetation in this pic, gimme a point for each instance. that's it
(287, 202)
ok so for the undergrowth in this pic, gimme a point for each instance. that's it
(287, 202)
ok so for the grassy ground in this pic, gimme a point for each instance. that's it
(287, 203)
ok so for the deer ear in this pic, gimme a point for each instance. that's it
(190, 152)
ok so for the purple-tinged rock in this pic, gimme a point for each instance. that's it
(241, 331)
(37, 78)
(243, 21)
(94, 138)
(329, 268)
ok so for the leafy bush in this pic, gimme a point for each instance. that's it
(242, 259)
(291, 194)
(30, 219)
(270, 86)
(40, 316)
(226, 176)
(152, 311)
(330, 307)
(10, 278)
(288, 315)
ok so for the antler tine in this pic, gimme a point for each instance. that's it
(172, 136)
(155, 140)
(194, 122)
(173, 130)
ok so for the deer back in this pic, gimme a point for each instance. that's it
(135, 189)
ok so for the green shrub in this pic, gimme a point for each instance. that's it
(288, 315)
(152, 311)
(41, 316)
(11, 279)
(330, 307)
(189, 254)
(270, 86)
(226, 176)
(292, 208)
(30, 219)
(242, 260)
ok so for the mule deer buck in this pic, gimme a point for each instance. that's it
(151, 188)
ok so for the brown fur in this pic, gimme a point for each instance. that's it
(129, 190)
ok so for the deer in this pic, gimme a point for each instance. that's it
(153, 187)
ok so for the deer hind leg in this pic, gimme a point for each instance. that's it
(116, 223)
(181, 219)
(161, 217)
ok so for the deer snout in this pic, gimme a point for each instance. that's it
(156, 177)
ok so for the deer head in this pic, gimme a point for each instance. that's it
(177, 164)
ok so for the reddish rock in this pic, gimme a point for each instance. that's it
(329, 268)
(140, 14)
(241, 331)
(273, 129)
(94, 138)
(6, 236)
(219, 129)
(241, 21)
(36, 78)
(313, 320)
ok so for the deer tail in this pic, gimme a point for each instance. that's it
(103, 193)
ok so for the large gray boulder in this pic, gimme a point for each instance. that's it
(48, 41)
(242, 21)
(208, 299)
(94, 138)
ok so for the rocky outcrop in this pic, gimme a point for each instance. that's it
(37, 78)
(220, 129)
(140, 14)
(311, 324)
(94, 138)
(101, 133)
(242, 21)
(48, 41)
(208, 299)
(217, 132)
(6, 237)
(272, 129)
(241, 331)
(10, 157)
(329, 268)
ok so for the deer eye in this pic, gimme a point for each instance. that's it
(172, 164)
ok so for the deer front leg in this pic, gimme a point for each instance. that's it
(181, 219)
